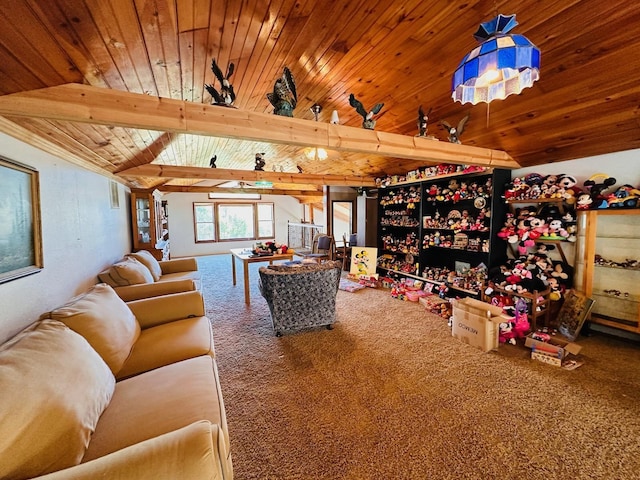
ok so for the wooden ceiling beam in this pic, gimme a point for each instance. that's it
(261, 191)
(170, 171)
(94, 105)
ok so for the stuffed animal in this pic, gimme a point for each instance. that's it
(521, 325)
(563, 272)
(506, 333)
(556, 292)
(549, 187)
(584, 201)
(597, 185)
(625, 196)
(570, 191)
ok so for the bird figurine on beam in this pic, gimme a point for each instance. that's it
(226, 96)
(260, 163)
(284, 97)
(368, 121)
(212, 162)
(455, 132)
(423, 122)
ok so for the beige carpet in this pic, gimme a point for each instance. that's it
(389, 394)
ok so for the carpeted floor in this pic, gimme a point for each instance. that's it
(389, 394)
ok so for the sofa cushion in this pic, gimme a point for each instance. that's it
(128, 271)
(104, 319)
(169, 343)
(149, 261)
(190, 275)
(158, 402)
(54, 388)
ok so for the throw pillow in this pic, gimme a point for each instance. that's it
(105, 320)
(148, 260)
(54, 389)
(128, 271)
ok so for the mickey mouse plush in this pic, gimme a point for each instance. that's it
(597, 189)
(567, 184)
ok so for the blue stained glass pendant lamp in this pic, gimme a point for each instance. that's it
(503, 64)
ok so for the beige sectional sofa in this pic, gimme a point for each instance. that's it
(101, 388)
(139, 275)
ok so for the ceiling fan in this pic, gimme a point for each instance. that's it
(367, 192)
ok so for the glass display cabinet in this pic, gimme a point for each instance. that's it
(608, 265)
(150, 223)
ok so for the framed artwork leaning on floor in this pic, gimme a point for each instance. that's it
(364, 261)
(20, 229)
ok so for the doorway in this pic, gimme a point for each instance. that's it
(341, 219)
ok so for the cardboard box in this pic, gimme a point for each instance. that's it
(476, 323)
(556, 346)
(546, 358)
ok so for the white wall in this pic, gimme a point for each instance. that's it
(623, 166)
(182, 236)
(81, 235)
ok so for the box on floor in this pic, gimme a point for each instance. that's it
(477, 323)
(554, 351)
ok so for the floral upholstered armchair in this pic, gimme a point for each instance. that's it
(301, 296)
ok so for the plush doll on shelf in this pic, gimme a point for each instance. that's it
(569, 188)
(521, 325)
(597, 186)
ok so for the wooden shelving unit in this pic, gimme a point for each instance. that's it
(539, 304)
(404, 233)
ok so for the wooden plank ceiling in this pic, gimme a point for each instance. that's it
(402, 53)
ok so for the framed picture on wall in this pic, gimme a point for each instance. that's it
(113, 194)
(20, 230)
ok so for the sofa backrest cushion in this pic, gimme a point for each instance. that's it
(128, 271)
(54, 388)
(105, 320)
(149, 261)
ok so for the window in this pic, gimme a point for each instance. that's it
(233, 221)
(265, 220)
(203, 215)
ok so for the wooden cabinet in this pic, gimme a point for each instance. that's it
(443, 229)
(150, 224)
(608, 265)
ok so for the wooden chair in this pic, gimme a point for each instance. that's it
(323, 248)
(344, 252)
